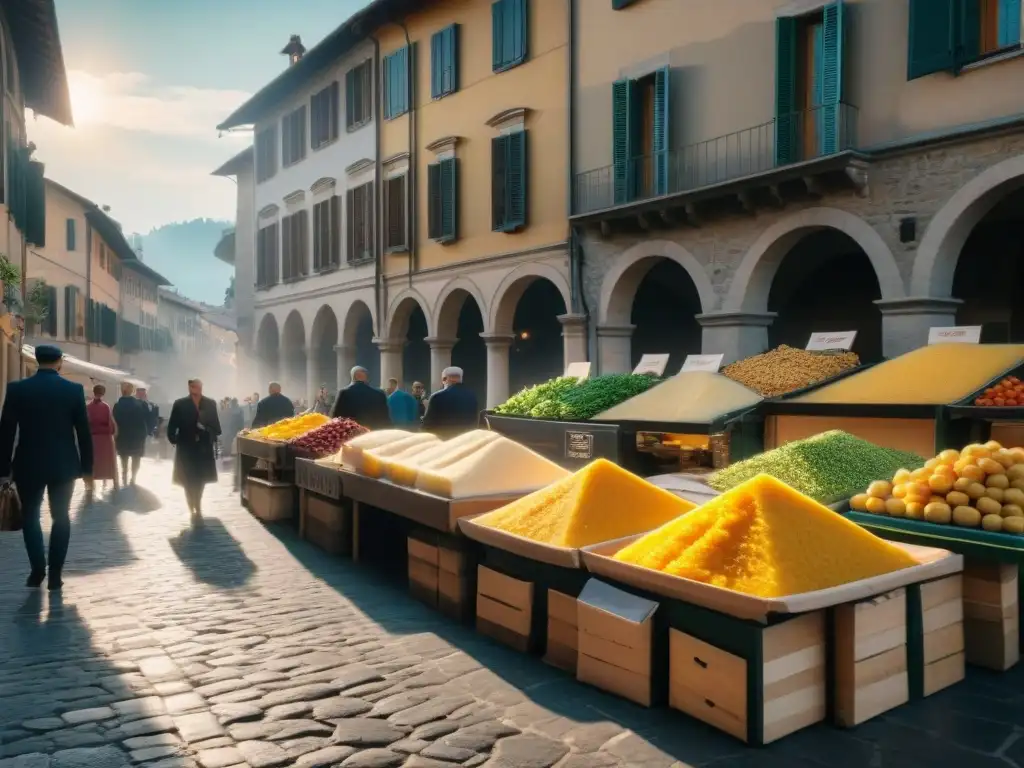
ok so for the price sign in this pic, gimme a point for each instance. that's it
(702, 363)
(655, 364)
(831, 340)
(578, 370)
(955, 334)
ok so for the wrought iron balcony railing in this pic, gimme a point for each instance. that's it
(786, 140)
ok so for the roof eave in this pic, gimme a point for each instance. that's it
(44, 80)
(235, 164)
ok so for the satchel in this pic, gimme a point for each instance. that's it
(10, 509)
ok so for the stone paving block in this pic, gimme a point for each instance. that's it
(79, 716)
(26, 761)
(198, 726)
(263, 754)
(182, 703)
(374, 758)
(99, 757)
(146, 726)
(328, 757)
(222, 757)
(365, 732)
(152, 753)
(148, 706)
(156, 740)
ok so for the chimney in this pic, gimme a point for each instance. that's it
(294, 50)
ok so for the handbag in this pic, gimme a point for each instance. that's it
(10, 509)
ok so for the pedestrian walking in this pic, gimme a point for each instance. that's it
(361, 402)
(132, 419)
(273, 407)
(104, 431)
(452, 410)
(192, 428)
(323, 402)
(47, 414)
(403, 407)
(151, 410)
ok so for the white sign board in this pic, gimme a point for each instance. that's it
(702, 363)
(578, 370)
(831, 340)
(655, 364)
(955, 334)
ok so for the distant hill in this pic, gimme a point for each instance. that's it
(183, 253)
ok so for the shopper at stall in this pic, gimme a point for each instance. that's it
(404, 410)
(420, 393)
(131, 416)
(273, 407)
(47, 415)
(361, 402)
(192, 428)
(453, 409)
(104, 431)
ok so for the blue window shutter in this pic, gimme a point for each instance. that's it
(448, 182)
(434, 201)
(387, 86)
(622, 140)
(499, 175)
(437, 62)
(1009, 22)
(520, 17)
(70, 225)
(969, 32)
(497, 34)
(830, 134)
(932, 38)
(785, 90)
(662, 113)
(516, 181)
(451, 65)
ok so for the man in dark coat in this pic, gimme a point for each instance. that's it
(363, 403)
(132, 419)
(273, 407)
(453, 409)
(151, 410)
(46, 413)
(192, 428)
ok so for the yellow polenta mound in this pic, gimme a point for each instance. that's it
(763, 538)
(598, 503)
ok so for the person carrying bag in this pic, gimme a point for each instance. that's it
(10, 509)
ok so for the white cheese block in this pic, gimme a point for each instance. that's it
(372, 458)
(351, 453)
(389, 464)
(499, 467)
(405, 468)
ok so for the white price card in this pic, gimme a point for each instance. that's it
(655, 364)
(579, 370)
(955, 334)
(702, 363)
(831, 340)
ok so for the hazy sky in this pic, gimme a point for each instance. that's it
(149, 81)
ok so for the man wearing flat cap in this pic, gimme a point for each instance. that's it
(46, 414)
(452, 410)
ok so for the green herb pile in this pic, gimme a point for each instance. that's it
(566, 398)
(828, 467)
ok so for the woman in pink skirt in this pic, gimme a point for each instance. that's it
(104, 429)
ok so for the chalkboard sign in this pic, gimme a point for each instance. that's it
(579, 445)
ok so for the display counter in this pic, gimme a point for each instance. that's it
(266, 478)
(325, 514)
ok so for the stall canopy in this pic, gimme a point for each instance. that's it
(92, 370)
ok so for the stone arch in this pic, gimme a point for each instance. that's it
(354, 315)
(620, 284)
(294, 327)
(401, 309)
(445, 321)
(324, 325)
(503, 307)
(947, 232)
(753, 279)
(267, 346)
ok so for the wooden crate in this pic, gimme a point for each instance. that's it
(870, 648)
(270, 500)
(454, 582)
(991, 614)
(942, 627)
(563, 630)
(325, 522)
(423, 571)
(504, 608)
(776, 690)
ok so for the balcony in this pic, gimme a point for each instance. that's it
(225, 248)
(791, 155)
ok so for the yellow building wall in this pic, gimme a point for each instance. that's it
(105, 285)
(539, 84)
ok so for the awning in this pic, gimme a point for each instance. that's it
(92, 370)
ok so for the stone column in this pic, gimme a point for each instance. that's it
(390, 359)
(346, 361)
(440, 358)
(735, 334)
(497, 367)
(574, 339)
(905, 322)
(615, 348)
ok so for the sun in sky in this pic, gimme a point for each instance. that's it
(86, 99)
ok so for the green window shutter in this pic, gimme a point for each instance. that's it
(618, 5)
(35, 209)
(662, 113)
(831, 133)
(622, 140)
(497, 34)
(932, 37)
(449, 181)
(69, 312)
(444, 62)
(70, 227)
(436, 64)
(450, 78)
(434, 201)
(969, 32)
(515, 181)
(1009, 23)
(499, 157)
(509, 34)
(786, 150)
(51, 310)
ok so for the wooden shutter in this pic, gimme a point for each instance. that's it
(35, 205)
(69, 227)
(333, 104)
(497, 35)
(660, 143)
(832, 136)
(498, 182)
(299, 133)
(302, 243)
(334, 252)
(450, 79)
(350, 230)
(786, 150)
(516, 185)
(437, 65)
(395, 223)
(1009, 22)
(434, 201)
(350, 98)
(51, 310)
(286, 248)
(449, 178)
(70, 311)
(509, 34)
(369, 220)
(932, 37)
(318, 238)
(286, 140)
(623, 121)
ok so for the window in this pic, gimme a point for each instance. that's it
(70, 230)
(442, 201)
(327, 234)
(293, 136)
(323, 116)
(396, 83)
(640, 136)
(358, 95)
(294, 242)
(103, 256)
(809, 85)
(444, 62)
(266, 257)
(508, 182)
(509, 34)
(396, 220)
(266, 154)
(946, 35)
(359, 204)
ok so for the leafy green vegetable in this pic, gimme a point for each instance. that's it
(527, 400)
(567, 398)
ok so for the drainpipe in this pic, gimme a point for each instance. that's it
(410, 190)
(378, 198)
(575, 275)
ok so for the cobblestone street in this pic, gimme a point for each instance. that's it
(231, 644)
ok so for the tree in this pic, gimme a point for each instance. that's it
(35, 307)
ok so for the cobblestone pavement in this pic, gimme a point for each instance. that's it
(231, 645)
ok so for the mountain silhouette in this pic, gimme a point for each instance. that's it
(182, 252)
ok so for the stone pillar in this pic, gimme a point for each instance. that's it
(905, 322)
(735, 334)
(497, 367)
(615, 348)
(346, 361)
(574, 339)
(440, 358)
(390, 360)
